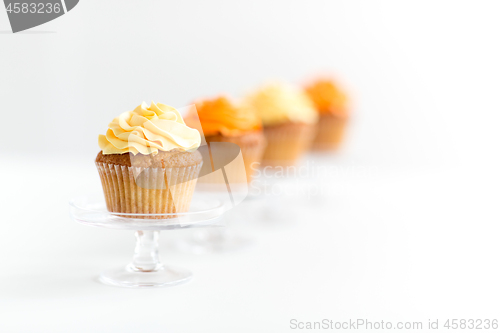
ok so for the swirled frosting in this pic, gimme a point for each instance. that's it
(147, 130)
(278, 103)
(328, 98)
(224, 117)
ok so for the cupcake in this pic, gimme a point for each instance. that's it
(331, 104)
(148, 162)
(222, 120)
(288, 117)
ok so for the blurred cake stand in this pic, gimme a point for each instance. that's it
(146, 270)
(215, 240)
(226, 239)
(279, 206)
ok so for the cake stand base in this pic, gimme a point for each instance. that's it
(163, 276)
(146, 270)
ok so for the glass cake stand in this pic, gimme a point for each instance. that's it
(218, 240)
(146, 270)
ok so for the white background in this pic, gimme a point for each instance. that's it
(406, 227)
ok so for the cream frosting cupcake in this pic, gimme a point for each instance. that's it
(148, 162)
(288, 117)
(332, 104)
(224, 120)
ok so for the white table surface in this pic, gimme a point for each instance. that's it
(391, 243)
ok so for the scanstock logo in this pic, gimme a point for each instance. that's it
(31, 13)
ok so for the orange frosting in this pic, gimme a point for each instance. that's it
(221, 116)
(327, 97)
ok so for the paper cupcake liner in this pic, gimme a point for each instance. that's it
(287, 143)
(135, 190)
(330, 132)
(252, 156)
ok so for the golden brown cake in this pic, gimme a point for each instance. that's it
(289, 120)
(331, 103)
(149, 163)
(287, 142)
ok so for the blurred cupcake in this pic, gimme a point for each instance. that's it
(224, 121)
(331, 103)
(289, 119)
(149, 163)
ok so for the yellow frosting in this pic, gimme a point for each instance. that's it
(147, 130)
(278, 103)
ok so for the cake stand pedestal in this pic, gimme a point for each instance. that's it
(145, 270)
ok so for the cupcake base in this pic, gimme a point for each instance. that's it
(330, 132)
(286, 143)
(252, 147)
(148, 190)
